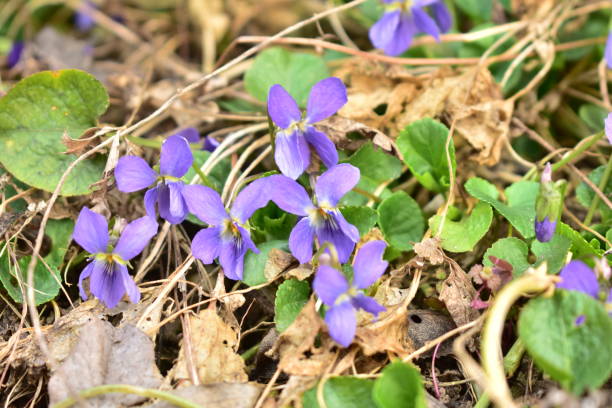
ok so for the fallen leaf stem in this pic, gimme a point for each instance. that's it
(496, 385)
(126, 389)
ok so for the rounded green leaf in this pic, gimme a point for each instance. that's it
(291, 297)
(297, 72)
(376, 164)
(400, 385)
(578, 356)
(34, 116)
(463, 235)
(342, 392)
(554, 252)
(520, 208)
(47, 275)
(401, 221)
(364, 218)
(423, 146)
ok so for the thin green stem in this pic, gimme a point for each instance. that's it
(126, 389)
(145, 142)
(247, 355)
(205, 180)
(580, 148)
(602, 186)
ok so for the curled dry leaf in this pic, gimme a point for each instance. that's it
(220, 395)
(80, 145)
(338, 127)
(106, 355)
(471, 98)
(278, 261)
(457, 293)
(295, 347)
(430, 250)
(212, 353)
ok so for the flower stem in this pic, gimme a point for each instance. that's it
(126, 389)
(497, 387)
(580, 148)
(602, 186)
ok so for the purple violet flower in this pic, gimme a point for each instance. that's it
(190, 134)
(545, 229)
(107, 270)
(608, 126)
(227, 237)
(608, 51)
(210, 144)
(577, 275)
(15, 53)
(402, 20)
(82, 18)
(343, 298)
(292, 154)
(133, 173)
(321, 219)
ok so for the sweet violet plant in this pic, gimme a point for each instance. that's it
(403, 19)
(228, 237)
(344, 298)
(107, 270)
(133, 173)
(577, 275)
(292, 154)
(321, 218)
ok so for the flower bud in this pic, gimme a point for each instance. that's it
(549, 203)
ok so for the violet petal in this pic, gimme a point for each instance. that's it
(176, 157)
(335, 183)
(368, 264)
(91, 231)
(326, 98)
(576, 275)
(135, 237)
(425, 23)
(106, 283)
(85, 273)
(251, 198)
(292, 155)
(205, 203)
(324, 147)
(368, 304)
(342, 323)
(231, 258)
(289, 195)
(206, 245)
(150, 199)
(329, 283)
(300, 240)
(133, 173)
(282, 108)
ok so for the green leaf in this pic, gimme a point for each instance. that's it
(272, 223)
(423, 145)
(364, 218)
(593, 116)
(47, 281)
(553, 252)
(400, 220)
(291, 297)
(585, 194)
(353, 198)
(577, 356)
(255, 264)
(400, 385)
(512, 250)
(580, 247)
(342, 392)
(479, 9)
(520, 209)
(297, 72)
(376, 164)
(35, 114)
(463, 235)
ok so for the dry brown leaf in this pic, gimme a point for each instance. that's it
(212, 351)
(301, 272)
(457, 294)
(220, 395)
(337, 128)
(388, 334)
(106, 355)
(298, 339)
(430, 250)
(78, 146)
(278, 261)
